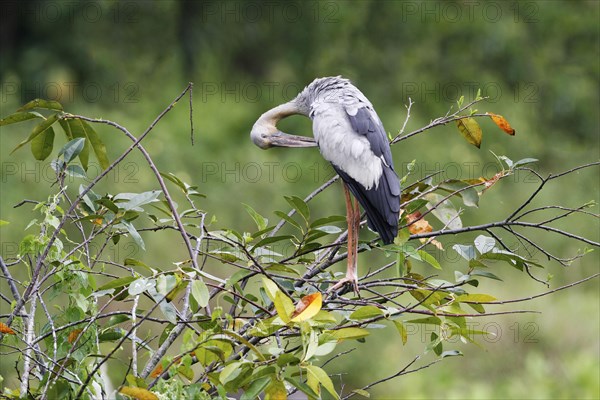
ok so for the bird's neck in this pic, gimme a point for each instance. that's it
(275, 114)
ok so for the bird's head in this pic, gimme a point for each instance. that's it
(265, 133)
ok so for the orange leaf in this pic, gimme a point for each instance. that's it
(73, 335)
(157, 371)
(138, 393)
(502, 123)
(6, 329)
(307, 307)
(416, 223)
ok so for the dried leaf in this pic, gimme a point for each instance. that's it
(308, 307)
(416, 223)
(6, 329)
(420, 225)
(157, 371)
(73, 335)
(470, 130)
(138, 393)
(492, 181)
(502, 123)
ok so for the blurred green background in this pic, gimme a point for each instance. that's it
(537, 61)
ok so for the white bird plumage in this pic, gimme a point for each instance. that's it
(350, 135)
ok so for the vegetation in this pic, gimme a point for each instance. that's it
(116, 269)
(219, 336)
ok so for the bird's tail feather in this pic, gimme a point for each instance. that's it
(382, 204)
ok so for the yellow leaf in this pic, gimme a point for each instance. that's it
(138, 393)
(502, 123)
(308, 307)
(470, 130)
(275, 391)
(284, 306)
(270, 287)
(6, 329)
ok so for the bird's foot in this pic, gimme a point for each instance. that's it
(352, 280)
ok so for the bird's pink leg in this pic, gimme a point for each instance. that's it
(353, 221)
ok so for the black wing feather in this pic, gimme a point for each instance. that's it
(381, 202)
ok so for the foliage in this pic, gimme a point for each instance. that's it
(271, 327)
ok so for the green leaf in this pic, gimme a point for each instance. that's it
(200, 292)
(300, 206)
(470, 130)
(80, 128)
(136, 263)
(486, 274)
(72, 132)
(42, 144)
(327, 220)
(140, 285)
(427, 321)
(75, 171)
(259, 220)
(303, 387)
(366, 312)
(20, 117)
(40, 103)
(467, 252)
(324, 379)
(72, 149)
(37, 130)
(134, 234)
(429, 259)
(436, 344)
(401, 330)
(475, 298)
(118, 283)
(469, 195)
(271, 239)
(111, 335)
(117, 319)
(230, 372)
(174, 179)
(444, 210)
(253, 391)
(415, 205)
(451, 353)
(288, 219)
(138, 200)
(483, 243)
(524, 161)
(237, 276)
(287, 358)
(362, 393)
(349, 333)
(245, 342)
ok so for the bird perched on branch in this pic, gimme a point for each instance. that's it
(351, 137)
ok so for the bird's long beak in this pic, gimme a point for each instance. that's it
(282, 139)
(265, 133)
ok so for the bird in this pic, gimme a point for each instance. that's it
(350, 135)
